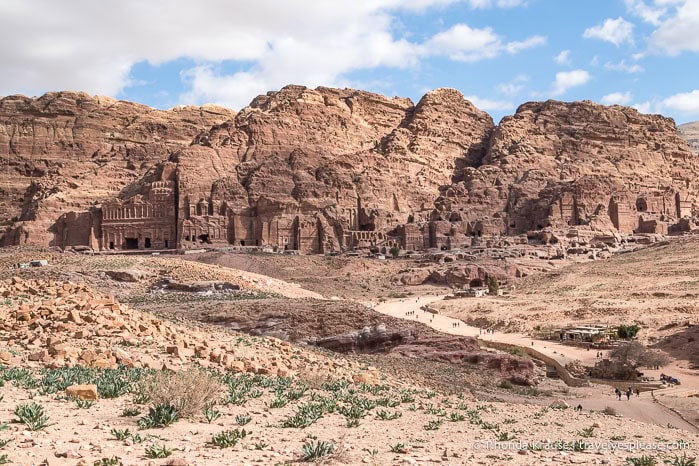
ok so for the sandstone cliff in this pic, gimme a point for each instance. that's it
(64, 151)
(321, 169)
(558, 165)
(318, 170)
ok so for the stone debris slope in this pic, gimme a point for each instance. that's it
(53, 324)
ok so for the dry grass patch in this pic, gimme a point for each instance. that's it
(314, 378)
(189, 390)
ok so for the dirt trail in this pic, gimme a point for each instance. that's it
(643, 409)
(399, 308)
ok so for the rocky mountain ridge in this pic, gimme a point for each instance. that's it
(318, 170)
(65, 151)
(690, 132)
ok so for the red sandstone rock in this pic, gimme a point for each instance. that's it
(82, 392)
(325, 169)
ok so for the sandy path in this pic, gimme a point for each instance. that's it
(398, 308)
(643, 409)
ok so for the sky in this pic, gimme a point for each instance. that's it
(498, 53)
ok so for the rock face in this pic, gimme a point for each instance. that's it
(451, 349)
(690, 132)
(328, 169)
(574, 167)
(465, 350)
(64, 151)
(308, 170)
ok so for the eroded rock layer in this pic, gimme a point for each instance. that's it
(318, 170)
(66, 151)
(574, 168)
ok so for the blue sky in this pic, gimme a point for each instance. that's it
(498, 53)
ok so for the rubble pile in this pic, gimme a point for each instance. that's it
(56, 323)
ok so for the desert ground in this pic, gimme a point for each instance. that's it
(255, 348)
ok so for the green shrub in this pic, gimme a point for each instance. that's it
(111, 461)
(644, 460)
(211, 414)
(130, 412)
(683, 460)
(120, 434)
(32, 415)
(158, 451)
(628, 332)
(228, 438)
(312, 451)
(160, 415)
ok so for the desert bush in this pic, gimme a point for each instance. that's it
(628, 331)
(683, 460)
(160, 415)
(506, 384)
(190, 391)
(32, 415)
(644, 460)
(158, 451)
(228, 438)
(313, 451)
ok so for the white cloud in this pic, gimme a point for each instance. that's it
(623, 66)
(678, 32)
(513, 87)
(686, 103)
(617, 98)
(563, 58)
(569, 79)
(517, 46)
(463, 43)
(648, 13)
(497, 3)
(643, 107)
(93, 46)
(617, 31)
(489, 104)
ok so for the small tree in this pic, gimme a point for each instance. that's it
(628, 332)
(493, 285)
(634, 355)
(395, 250)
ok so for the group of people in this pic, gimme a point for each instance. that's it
(669, 379)
(629, 391)
(599, 355)
(456, 324)
(487, 330)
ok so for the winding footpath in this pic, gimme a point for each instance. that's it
(643, 408)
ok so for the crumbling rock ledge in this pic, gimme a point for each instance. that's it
(449, 349)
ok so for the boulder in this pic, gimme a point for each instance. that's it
(82, 392)
(130, 275)
(415, 276)
(559, 404)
